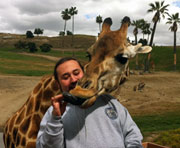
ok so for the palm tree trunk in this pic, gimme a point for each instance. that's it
(174, 50)
(148, 39)
(146, 67)
(73, 35)
(99, 28)
(137, 64)
(64, 33)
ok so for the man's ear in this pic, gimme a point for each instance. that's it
(58, 84)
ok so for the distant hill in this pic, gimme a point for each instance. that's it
(80, 41)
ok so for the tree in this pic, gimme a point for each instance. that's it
(69, 32)
(99, 21)
(38, 31)
(61, 33)
(72, 12)
(29, 34)
(65, 15)
(174, 20)
(137, 24)
(146, 30)
(160, 10)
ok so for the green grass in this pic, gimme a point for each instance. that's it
(169, 138)
(11, 62)
(14, 63)
(166, 126)
(78, 54)
(151, 123)
(162, 57)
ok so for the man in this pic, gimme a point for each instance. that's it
(105, 124)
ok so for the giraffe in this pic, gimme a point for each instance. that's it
(103, 74)
(21, 129)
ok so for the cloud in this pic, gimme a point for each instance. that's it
(18, 16)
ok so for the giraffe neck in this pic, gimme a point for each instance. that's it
(22, 128)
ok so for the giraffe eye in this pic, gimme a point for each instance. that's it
(121, 59)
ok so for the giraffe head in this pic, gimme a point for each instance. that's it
(109, 62)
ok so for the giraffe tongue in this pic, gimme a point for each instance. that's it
(73, 99)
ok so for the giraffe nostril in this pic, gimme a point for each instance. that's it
(86, 84)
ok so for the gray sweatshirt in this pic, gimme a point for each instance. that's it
(106, 124)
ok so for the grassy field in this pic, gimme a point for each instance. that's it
(162, 57)
(165, 126)
(11, 62)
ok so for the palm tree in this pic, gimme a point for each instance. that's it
(160, 9)
(174, 20)
(99, 21)
(147, 30)
(145, 27)
(137, 24)
(72, 12)
(65, 15)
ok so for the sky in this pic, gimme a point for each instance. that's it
(18, 16)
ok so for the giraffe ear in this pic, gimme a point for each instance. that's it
(132, 50)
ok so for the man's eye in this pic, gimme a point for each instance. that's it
(65, 77)
(76, 72)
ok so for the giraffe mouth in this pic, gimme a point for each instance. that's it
(73, 99)
(81, 98)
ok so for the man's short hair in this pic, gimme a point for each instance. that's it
(61, 61)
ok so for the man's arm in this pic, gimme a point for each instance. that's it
(51, 133)
(132, 134)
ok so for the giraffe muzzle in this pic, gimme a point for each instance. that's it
(73, 99)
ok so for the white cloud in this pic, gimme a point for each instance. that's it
(18, 16)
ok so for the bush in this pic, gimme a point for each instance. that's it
(38, 31)
(169, 138)
(69, 33)
(20, 45)
(29, 34)
(61, 33)
(143, 41)
(32, 47)
(45, 47)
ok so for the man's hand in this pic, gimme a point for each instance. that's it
(59, 106)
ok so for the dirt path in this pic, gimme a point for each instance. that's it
(161, 93)
(51, 58)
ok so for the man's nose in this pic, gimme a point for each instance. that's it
(73, 79)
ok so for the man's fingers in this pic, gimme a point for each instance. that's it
(58, 104)
(57, 98)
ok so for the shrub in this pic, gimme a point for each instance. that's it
(20, 45)
(38, 31)
(32, 47)
(143, 41)
(61, 33)
(69, 33)
(45, 47)
(169, 138)
(29, 34)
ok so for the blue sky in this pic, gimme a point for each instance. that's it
(18, 16)
(177, 3)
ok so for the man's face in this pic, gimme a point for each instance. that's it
(68, 74)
